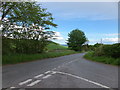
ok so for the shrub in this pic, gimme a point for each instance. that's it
(25, 46)
(112, 50)
(108, 50)
(104, 59)
(97, 44)
(99, 51)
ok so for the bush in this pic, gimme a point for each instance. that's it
(7, 46)
(99, 51)
(97, 44)
(23, 46)
(112, 50)
(108, 50)
(87, 47)
(103, 59)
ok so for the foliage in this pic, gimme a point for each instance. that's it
(76, 39)
(18, 58)
(91, 47)
(25, 46)
(108, 50)
(97, 44)
(25, 24)
(25, 20)
(26, 13)
(99, 51)
(103, 59)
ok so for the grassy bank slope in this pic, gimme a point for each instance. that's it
(103, 59)
(53, 50)
(55, 46)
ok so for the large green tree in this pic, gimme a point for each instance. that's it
(25, 23)
(76, 39)
(24, 14)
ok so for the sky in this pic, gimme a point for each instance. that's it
(98, 20)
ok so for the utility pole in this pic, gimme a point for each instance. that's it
(101, 40)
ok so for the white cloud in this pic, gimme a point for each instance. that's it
(112, 34)
(111, 40)
(57, 36)
(105, 40)
(93, 41)
(77, 0)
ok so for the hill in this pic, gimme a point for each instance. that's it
(55, 46)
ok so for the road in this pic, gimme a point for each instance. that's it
(70, 71)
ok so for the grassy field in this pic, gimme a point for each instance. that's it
(53, 46)
(52, 51)
(103, 59)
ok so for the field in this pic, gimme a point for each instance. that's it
(55, 46)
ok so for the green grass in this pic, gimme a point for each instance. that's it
(53, 50)
(103, 59)
(19, 58)
(53, 46)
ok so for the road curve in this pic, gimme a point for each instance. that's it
(70, 71)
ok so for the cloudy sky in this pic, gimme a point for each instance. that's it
(98, 20)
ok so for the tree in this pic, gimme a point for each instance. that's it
(25, 23)
(24, 14)
(76, 39)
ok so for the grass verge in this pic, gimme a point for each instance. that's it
(18, 58)
(103, 59)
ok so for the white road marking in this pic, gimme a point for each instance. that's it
(12, 87)
(103, 86)
(68, 62)
(73, 61)
(39, 76)
(47, 72)
(53, 72)
(25, 82)
(65, 64)
(53, 69)
(46, 76)
(33, 83)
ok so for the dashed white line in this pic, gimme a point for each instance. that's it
(67, 63)
(64, 64)
(39, 76)
(71, 62)
(53, 69)
(33, 83)
(98, 84)
(47, 72)
(53, 72)
(46, 76)
(25, 82)
(12, 87)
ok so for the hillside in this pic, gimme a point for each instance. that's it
(54, 46)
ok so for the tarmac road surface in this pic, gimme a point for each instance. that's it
(70, 71)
